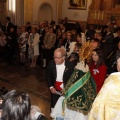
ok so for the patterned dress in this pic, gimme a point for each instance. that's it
(22, 41)
(31, 49)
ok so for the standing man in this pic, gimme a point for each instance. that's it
(49, 46)
(42, 33)
(108, 43)
(59, 71)
(28, 27)
(8, 25)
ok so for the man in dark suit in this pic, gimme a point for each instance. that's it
(55, 27)
(8, 25)
(59, 71)
(41, 32)
(108, 43)
(28, 27)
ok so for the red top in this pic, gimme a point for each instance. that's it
(99, 75)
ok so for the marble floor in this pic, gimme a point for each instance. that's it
(30, 80)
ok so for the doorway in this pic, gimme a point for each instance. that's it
(45, 12)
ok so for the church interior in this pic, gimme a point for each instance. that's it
(98, 13)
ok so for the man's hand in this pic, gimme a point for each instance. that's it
(53, 90)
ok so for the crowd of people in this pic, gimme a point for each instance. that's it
(35, 43)
(70, 55)
(38, 42)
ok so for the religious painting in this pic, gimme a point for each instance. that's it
(78, 4)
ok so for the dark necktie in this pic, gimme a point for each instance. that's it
(67, 44)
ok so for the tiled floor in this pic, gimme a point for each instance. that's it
(30, 80)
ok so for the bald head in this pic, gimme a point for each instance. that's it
(59, 55)
(61, 51)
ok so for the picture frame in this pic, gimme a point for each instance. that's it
(78, 4)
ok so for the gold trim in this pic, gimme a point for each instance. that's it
(85, 52)
(77, 82)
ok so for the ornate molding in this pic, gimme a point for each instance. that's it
(28, 10)
(59, 9)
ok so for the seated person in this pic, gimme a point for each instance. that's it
(95, 43)
(106, 105)
(74, 58)
(77, 47)
(79, 92)
(35, 113)
(16, 106)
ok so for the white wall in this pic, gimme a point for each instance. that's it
(17, 17)
(74, 14)
(38, 3)
(19, 12)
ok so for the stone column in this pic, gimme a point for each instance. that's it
(3, 11)
(28, 11)
(59, 10)
(109, 5)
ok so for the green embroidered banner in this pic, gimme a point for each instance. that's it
(80, 91)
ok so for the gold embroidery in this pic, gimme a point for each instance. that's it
(85, 96)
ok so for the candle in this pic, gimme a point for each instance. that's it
(95, 16)
(102, 15)
(98, 15)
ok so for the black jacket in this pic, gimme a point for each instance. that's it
(52, 73)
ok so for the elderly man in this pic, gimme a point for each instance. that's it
(59, 71)
(79, 92)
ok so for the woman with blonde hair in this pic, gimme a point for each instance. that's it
(33, 42)
(23, 40)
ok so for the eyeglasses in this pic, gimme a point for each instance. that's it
(57, 57)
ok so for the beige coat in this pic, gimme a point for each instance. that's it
(35, 43)
(49, 40)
